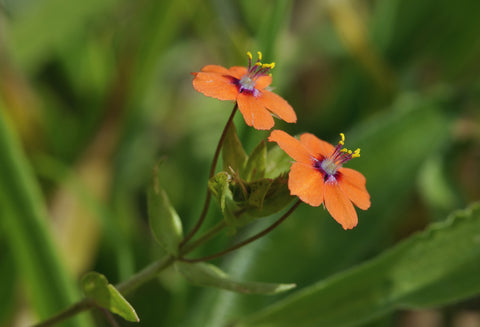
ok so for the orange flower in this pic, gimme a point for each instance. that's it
(318, 177)
(248, 86)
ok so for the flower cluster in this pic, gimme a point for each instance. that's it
(317, 176)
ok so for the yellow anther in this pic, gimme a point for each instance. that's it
(259, 55)
(343, 137)
(258, 64)
(249, 54)
(356, 153)
(268, 65)
(349, 151)
(343, 150)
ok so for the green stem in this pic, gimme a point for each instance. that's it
(74, 309)
(146, 274)
(207, 236)
(201, 219)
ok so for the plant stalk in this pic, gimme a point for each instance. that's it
(248, 240)
(201, 219)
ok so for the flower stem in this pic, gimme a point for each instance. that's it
(248, 240)
(76, 308)
(208, 235)
(201, 219)
(146, 274)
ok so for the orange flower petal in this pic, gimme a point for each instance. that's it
(306, 183)
(278, 106)
(316, 146)
(263, 81)
(339, 206)
(254, 112)
(215, 85)
(215, 69)
(353, 185)
(238, 71)
(291, 146)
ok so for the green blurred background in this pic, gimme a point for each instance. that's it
(94, 93)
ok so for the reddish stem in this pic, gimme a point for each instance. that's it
(248, 240)
(201, 219)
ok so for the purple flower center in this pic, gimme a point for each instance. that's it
(329, 166)
(247, 83)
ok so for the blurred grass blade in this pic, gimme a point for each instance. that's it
(8, 277)
(352, 30)
(161, 23)
(432, 268)
(205, 274)
(279, 15)
(97, 288)
(24, 217)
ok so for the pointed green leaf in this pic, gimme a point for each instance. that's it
(233, 154)
(432, 268)
(97, 288)
(257, 192)
(164, 221)
(255, 166)
(204, 274)
(268, 196)
(278, 162)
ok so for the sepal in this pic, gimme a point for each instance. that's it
(97, 288)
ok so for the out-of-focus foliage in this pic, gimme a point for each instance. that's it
(93, 93)
(413, 274)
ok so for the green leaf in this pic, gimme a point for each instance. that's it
(257, 192)
(233, 154)
(255, 166)
(435, 188)
(97, 288)
(431, 268)
(204, 274)
(164, 221)
(268, 196)
(278, 162)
